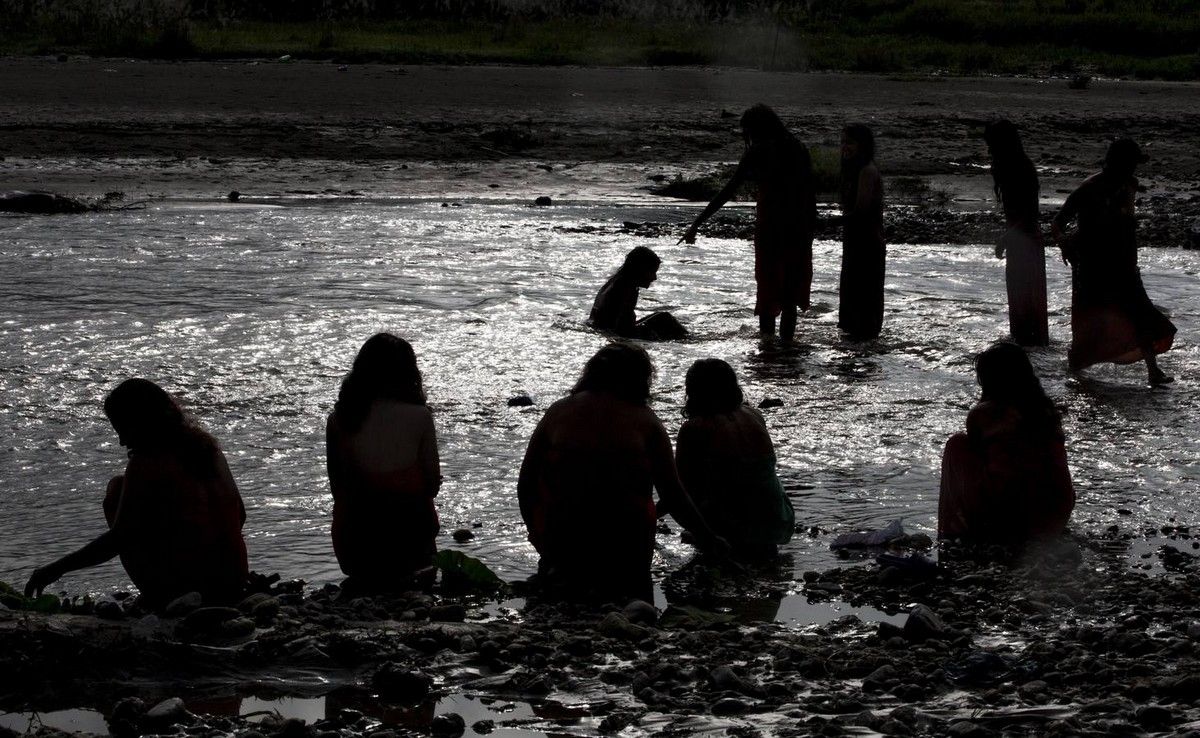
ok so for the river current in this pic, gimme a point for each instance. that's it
(251, 313)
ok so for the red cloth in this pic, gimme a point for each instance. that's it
(384, 526)
(1004, 484)
(180, 538)
(785, 219)
(593, 525)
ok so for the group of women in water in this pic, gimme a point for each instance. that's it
(586, 485)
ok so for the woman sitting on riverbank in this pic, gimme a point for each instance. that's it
(1006, 479)
(175, 516)
(382, 458)
(614, 308)
(727, 463)
(587, 482)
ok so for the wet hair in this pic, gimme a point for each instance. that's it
(151, 420)
(1014, 178)
(712, 387)
(1123, 156)
(1007, 378)
(640, 258)
(760, 122)
(865, 139)
(385, 368)
(621, 368)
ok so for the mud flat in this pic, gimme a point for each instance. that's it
(85, 127)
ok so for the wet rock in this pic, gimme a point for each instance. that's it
(184, 604)
(165, 714)
(462, 535)
(294, 728)
(641, 612)
(616, 625)
(237, 627)
(483, 727)
(770, 402)
(968, 729)
(520, 401)
(880, 679)
(454, 612)
(395, 682)
(730, 706)
(923, 623)
(725, 678)
(448, 724)
(109, 610)
(543, 201)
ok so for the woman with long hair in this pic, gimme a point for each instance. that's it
(1112, 318)
(860, 287)
(384, 471)
(727, 463)
(614, 307)
(1015, 183)
(175, 516)
(785, 217)
(1006, 479)
(587, 482)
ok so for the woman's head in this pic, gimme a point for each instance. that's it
(711, 387)
(1123, 157)
(142, 413)
(385, 368)
(1005, 375)
(641, 265)
(858, 145)
(1002, 140)
(760, 123)
(621, 368)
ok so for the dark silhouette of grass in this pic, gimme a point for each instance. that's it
(1139, 38)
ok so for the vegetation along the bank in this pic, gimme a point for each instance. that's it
(1117, 38)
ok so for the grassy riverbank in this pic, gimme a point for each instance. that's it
(1131, 38)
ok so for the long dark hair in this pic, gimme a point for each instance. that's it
(761, 123)
(865, 139)
(385, 368)
(1007, 378)
(639, 259)
(1014, 178)
(711, 387)
(150, 420)
(621, 368)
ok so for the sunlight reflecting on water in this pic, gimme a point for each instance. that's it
(252, 316)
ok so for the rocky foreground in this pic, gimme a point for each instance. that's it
(1065, 640)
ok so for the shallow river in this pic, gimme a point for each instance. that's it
(252, 313)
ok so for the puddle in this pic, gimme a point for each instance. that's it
(68, 721)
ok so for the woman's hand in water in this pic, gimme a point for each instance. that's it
(689, 236)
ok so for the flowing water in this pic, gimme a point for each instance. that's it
(252, 313)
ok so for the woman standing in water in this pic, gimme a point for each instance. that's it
(175, 516)
(382, 458)
(860, 309)
(1112, 318)
(1006, 479)
(1016, 186)
(785, 217)
(587, 482)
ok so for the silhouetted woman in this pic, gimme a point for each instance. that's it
(785, 217)
(1016, 186)
(382, 457)
(175, 516)
(1006, 479)
(860, 289)
(614, 309)
(587, 481)
(1112, 318)
(727, 463)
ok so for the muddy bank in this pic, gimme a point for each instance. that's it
(86, 127)
(1062, 640)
